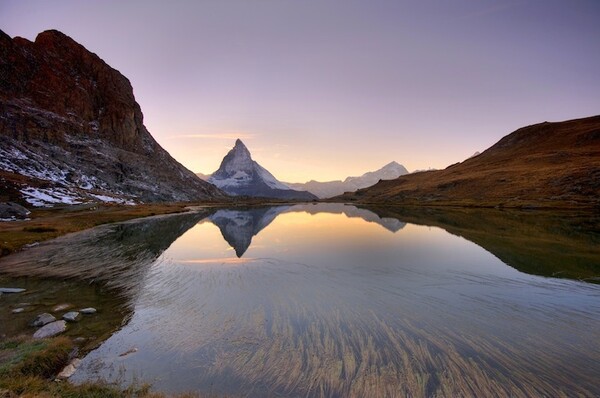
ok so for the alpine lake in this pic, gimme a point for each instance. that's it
(326, 300)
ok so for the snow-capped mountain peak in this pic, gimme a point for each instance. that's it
(240, 175)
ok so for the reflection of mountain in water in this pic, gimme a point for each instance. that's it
(389, 223)
(238, 226)
(115, 255)
(560, 244)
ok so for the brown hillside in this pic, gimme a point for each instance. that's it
(543, 165)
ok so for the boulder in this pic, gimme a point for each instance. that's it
(43, 319)
(13, 211)
(72, 316)
(51, 329)
(69, 369)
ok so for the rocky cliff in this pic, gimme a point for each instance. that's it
(71, 130)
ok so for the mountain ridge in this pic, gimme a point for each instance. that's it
(71, 131)
(546, 165)
(328, 189)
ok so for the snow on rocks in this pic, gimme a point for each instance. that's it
(43, 197)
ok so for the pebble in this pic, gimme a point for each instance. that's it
(72, 316)
(88, 311)
(51, 329)
(18, 310)
(43, 319)
(11, 290)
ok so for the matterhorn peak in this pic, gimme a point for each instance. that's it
(240, 175)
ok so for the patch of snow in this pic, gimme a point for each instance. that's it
(269, 179)
(46, 197)
(112, 199)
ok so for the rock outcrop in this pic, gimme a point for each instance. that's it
(70, 126)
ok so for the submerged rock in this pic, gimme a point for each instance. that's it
(88, 311)
(18, 310)
(51, 329)
(11, 290)
(61, 307)
(72, 316)
(43, 319)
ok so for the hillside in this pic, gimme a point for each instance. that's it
(543, 165)
(71, 131)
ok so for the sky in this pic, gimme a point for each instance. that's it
(328, 89)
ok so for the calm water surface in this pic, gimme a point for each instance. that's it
(331, 300)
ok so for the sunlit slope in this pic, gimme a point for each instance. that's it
(543, 165)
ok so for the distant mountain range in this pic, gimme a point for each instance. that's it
(71, 131)
(239, 175)
(329, 189)
(550, 165)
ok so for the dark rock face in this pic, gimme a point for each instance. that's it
(240, 175)
(12, 211)
(67, 114)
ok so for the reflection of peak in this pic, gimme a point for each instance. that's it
(239, 226)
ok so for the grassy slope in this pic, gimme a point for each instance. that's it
(554, 165)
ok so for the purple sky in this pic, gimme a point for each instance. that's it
(326, 89)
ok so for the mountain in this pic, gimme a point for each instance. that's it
(240, 175)
(552, 165)
(332, 188)
(71, 131)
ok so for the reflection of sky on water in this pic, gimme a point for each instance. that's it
(327, 304)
